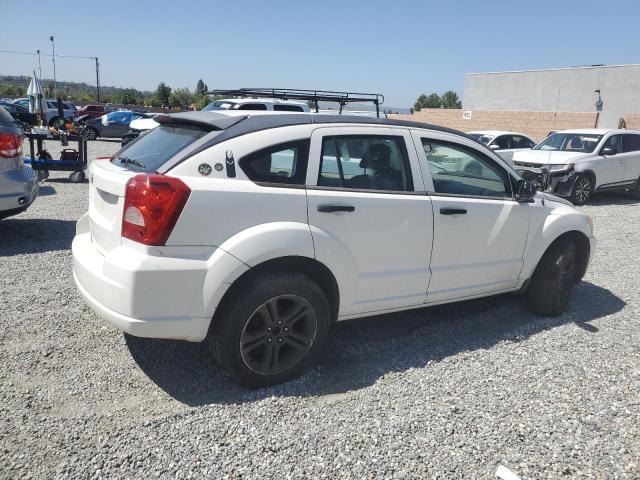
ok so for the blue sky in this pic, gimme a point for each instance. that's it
(399, 48)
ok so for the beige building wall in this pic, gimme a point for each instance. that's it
(632, 120)
(534, 124)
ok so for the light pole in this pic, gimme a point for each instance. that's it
(55, 86)
(98, 78)
(39, 64)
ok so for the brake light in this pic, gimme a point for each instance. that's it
(152, 205)
(10, 145)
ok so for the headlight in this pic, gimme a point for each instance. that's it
(560, 168)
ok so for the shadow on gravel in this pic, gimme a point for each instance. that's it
(46, 191)
(613, 198)
(64, 180)
(35, 235)
(361, 351)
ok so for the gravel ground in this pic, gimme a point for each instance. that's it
(445, 392)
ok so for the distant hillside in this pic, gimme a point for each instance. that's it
(16, 86)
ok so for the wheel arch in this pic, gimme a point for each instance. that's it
(567, 224)
(592, 176)
(583, 245)
(311, 267)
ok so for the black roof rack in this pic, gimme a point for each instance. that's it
(342, 98)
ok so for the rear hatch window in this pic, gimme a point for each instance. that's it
(154, 148)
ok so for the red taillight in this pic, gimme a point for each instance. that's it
(10, 145)
(152, 205)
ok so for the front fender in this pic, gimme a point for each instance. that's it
(563, 220)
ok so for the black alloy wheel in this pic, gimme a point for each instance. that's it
(278, 335)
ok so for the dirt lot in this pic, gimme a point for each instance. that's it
(445, 392)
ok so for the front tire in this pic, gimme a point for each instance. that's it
(582, 190)
(553, 279)
(91, 133)
(635, 191)
(270, 329)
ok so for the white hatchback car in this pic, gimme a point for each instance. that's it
(257, 232)
(578, 163)
(503, 143)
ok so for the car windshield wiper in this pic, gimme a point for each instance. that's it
(131, 161)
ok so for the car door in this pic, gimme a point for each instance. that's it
(117, 125)
(370, 219)
(610, 169)
(480, 231)
(631, 151)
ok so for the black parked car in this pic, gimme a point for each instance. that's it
(25, 118)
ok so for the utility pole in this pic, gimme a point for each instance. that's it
(98, 78)
(39, 64)
(55, 86)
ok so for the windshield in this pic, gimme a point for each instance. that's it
(481, 137)
(218, 105)
(570, 142)
(154, 148)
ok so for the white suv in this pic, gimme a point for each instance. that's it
(257, 232)
(581, 162)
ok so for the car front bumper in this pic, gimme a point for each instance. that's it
(556, 183)
(154, 296)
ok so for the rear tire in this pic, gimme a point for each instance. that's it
(553, 279)
(270, 329)
(582, 190)
(77, 177)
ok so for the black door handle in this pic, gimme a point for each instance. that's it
(453, 211)
(335, 208)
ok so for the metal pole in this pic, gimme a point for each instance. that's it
(98, 78)
(39, 64)
(55, 86)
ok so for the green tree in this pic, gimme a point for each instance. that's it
(431, 101)
(203, 101)
(180, 98)
(201, 88)
(450, 99)
(162, 93)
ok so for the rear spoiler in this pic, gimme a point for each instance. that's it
(212, 121)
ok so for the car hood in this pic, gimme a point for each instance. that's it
(545, 157)
(143, 124)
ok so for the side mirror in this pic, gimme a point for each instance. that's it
(608, 151)
(494, 146)
(525, 191)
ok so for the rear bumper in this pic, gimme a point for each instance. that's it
(191, 329)
(18, 190)
(152, 295)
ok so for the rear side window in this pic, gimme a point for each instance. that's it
(284, 163)
(365, 162)
(630, 142)
(152, 150)
(521, 142)
(287, 108)
(252, 106)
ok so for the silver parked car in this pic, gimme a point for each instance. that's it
(18, 183)
(51, 106)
